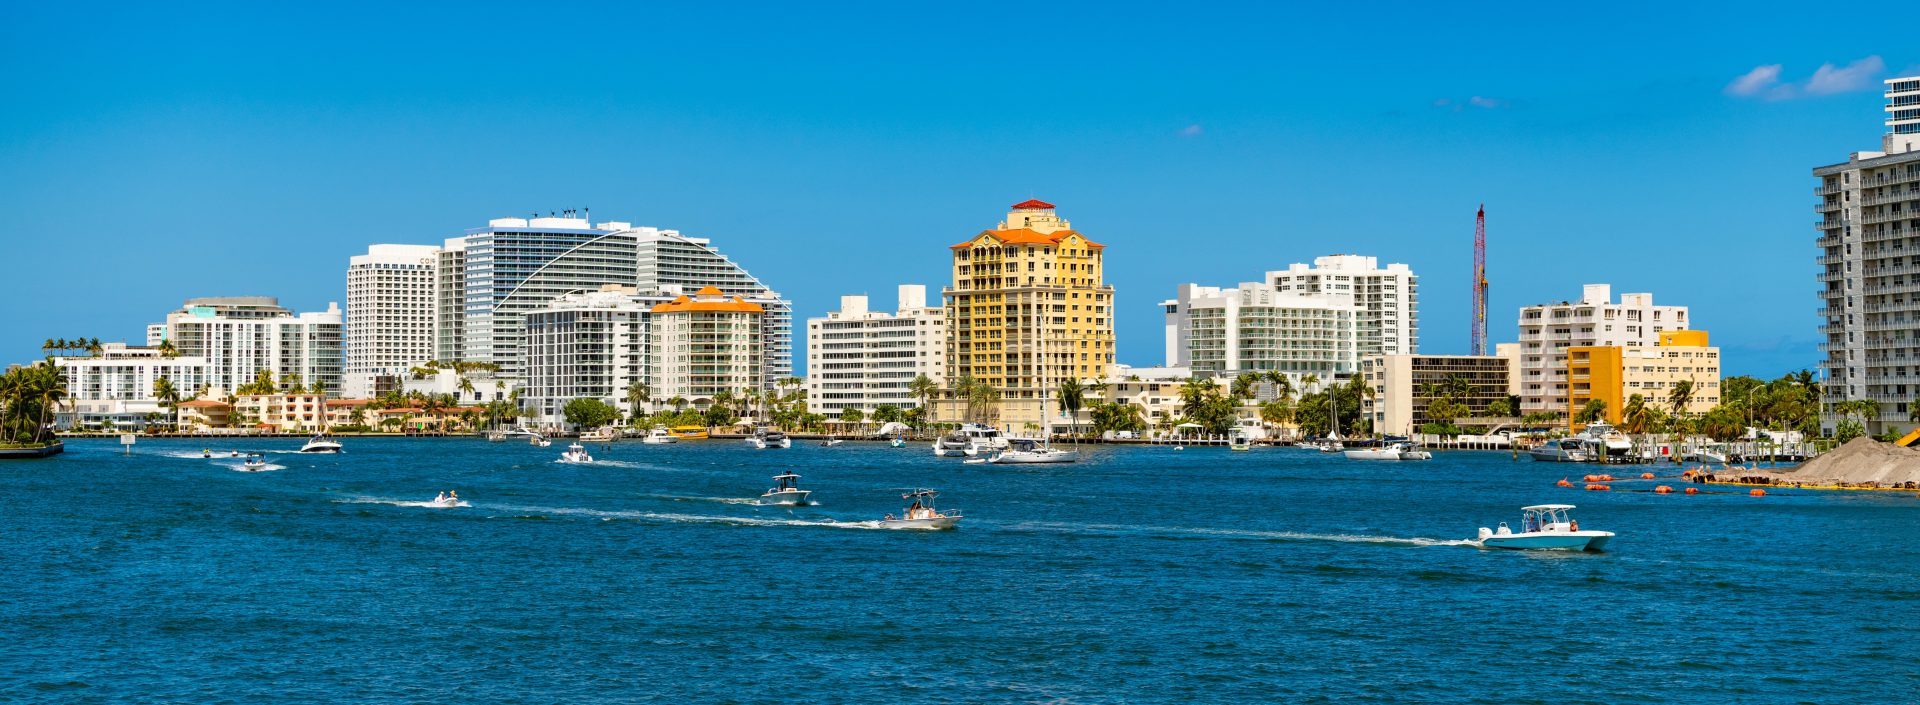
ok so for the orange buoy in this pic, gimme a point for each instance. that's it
(1606, 478)
(1591, 478)
(1757, 492)
(1563, 483)
(1646, 476)
(1693, 490)
(1663, 489)
(1598, 487)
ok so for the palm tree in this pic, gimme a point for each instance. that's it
(985, 398)
(52, 388)
(1636, 416)
(638, 394)
(1594, 410)
(1072, 398)
(922, 388)
(465, 386)
(167, 349)
(1680, 397)
(1309, 381)
(1194, 393)
(1282, 386)
(169, 397)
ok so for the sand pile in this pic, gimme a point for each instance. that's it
(1861, 460)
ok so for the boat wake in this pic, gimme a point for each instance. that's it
(239, 467)
(1245, 534)
(700, 498)
(677, 518)
(402, 502)
(195, 455)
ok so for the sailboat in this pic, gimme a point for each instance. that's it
(1023, 451)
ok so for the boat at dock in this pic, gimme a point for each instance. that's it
(1388, 451)
(1561, 450)
(660, 436)
(764, 439)
(1544, 527)
(1027, 451)
(605, 434)
(511, 434)
(953, 445)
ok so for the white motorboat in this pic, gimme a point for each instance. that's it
(539, 441)
(1239, 442)
(511, 433)
(953, 445)
(786, 491)
(1545, 527)
(1026, 451)
(765, 439)
(660, 436)
(831, 442)
(922, 514)
(321, 444)
(1602, 438)
(984, 437)
(447, 500)
(1562, 450)
(576, 453)
(1388, 451)
(605, 434)
(254, 464)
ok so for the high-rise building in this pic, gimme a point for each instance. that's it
(1404, 386)
(706, 344)
(1547, 331)
(1028, 309)
(586, 344)
(117, 384)
(240, 336)
(1870, 267)
(862, 359)
(1613, 374)
(1388, 299)
(392, 311)
(1256, 328)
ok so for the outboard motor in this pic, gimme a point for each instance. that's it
(1485, 532)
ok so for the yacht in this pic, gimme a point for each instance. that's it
(538, 441)
(1562, 450)
(511, 433)
(1388, 451)
(983, 437)
(1239, 442)
(576, 453)
(922, 514)
(660, 436)
(786, 491)
(321, 444)
(763, 439)
(953, 445)
(605, 434)
(1545, 527)
(1025, 451)
(1602, 438)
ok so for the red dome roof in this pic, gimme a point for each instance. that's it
(1032, 203)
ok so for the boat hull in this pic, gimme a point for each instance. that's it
(1550, 541)
(1371, 454)
(786, 499)
(940, 452)
(933, 524)
(322, 448)
(1014, 457)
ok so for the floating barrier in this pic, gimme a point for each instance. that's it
(1757, 492)
(1663, 489)
(1693, 490)
(1563, 483)
(1646, 476)
(1597, 488)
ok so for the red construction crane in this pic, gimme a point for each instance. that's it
(1478, 346)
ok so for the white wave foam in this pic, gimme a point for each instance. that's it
(402, 502)
(606, 515)
(1242, 534)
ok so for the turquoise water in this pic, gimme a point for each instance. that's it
(1143, 575)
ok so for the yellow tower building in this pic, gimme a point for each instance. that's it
(1613, 374)
(1028, 309)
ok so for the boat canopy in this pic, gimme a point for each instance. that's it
(919, 493)
(1543, 507)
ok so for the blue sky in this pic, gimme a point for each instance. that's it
(153, 152)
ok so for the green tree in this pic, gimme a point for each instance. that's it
(1073, 397)
(169, 397)
(589, 413)
(852, 416)
(638, 394)
(1595, 410)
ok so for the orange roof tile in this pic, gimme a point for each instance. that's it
(709, 291)
(737, 305)
(1024, 236)
(1032, 204)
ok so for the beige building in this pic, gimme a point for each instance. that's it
(1548, 331)
(1614, 374)
(292, 413)
(1404, 386)
(705, 344)
(1028, 308)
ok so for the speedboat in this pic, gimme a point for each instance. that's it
(605, 434)
(831, 442)
(922, 514)
(1389, 451)
(576, 453)
(1562, 450)
(1545, 527)
(510, 433)
(1601, 439)
(953, 445)
(448, 499)
(254, 464)
(321, 444)
(984, 437)
(764, 439)
(1025, 451)
(538, 441)
(660, 436)
(786, 491)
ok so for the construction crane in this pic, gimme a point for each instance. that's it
(1478, 345)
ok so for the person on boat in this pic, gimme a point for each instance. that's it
(442, 497)
(206, 453)
(453, 495)
(1574, 524)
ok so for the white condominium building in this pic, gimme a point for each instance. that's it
(862, 359)
(706, 344)
(586, 344)
(1256, 327)
(1870, 268)
(1548, 330)
(1387, 299)
(239, 336)
(392, 311)
(118, 384)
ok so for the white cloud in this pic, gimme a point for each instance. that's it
(1760, 79)
(1858, 75)
(1764, 81)
(1442, 102)
(1192, 130)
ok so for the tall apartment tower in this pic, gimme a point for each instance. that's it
(392, 309)
(862, 359)
(1255, 327)
(1028, 309)
(1388, 299)
(1870, 266)
(240, 336)
(1547, 331)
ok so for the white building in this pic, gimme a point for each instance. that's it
(586, 344)
(1256, 327)
(239, 336)
(1388, 299)
(1547, 330)
(392, 310)
(1870, 267)
(706, 344)
(862, 359)
(118, 385)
